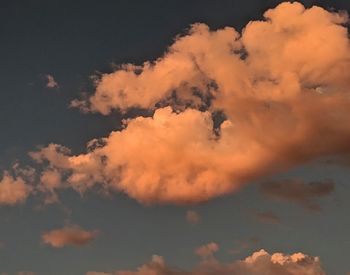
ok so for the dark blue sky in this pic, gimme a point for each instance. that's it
(71, 40)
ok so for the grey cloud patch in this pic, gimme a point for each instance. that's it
(297, 191)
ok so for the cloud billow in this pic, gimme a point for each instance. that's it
(282, 85)
(260, 262)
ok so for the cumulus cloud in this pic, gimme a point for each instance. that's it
(282, 86)
(298, 191)
(277, 65)
(260, 262)
(51, 82)
(178, 171)
(68, 236)
(13, 190)
(193, 217)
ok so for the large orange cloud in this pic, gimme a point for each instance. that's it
(283, 85)
(260, 262)
(295, 50)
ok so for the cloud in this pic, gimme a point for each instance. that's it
(282, 86)
(260, 262)
(51, 82)
(207, 250)
(298, 191)
(193, 217)
(13, 190)
(68, 236)
(277, 66)
(50, 180)
(85, 170)
(268, 217)
(177, 172)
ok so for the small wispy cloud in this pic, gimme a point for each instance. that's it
(51, 83)
(68, 236)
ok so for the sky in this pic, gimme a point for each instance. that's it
(174, 137)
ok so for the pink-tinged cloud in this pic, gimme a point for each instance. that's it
(68, 236)
(50, 181)
(51, 82)
(13, 190)
(260, 262)
(207, 250)
(282, 84)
